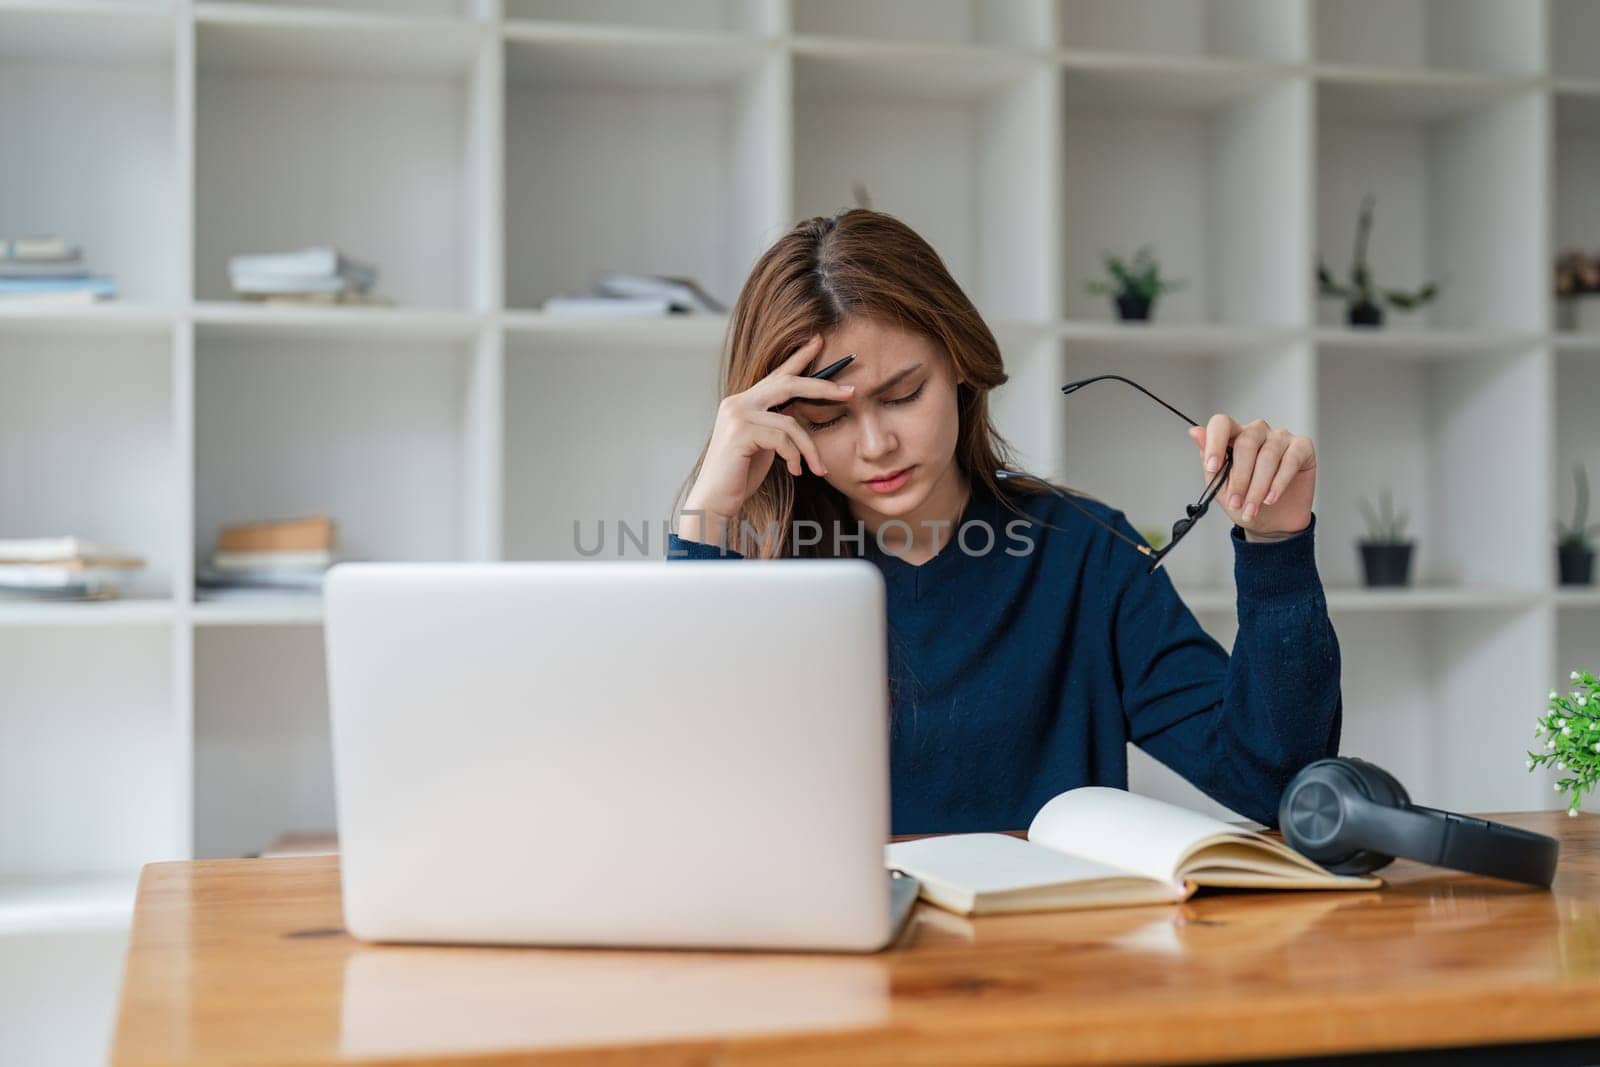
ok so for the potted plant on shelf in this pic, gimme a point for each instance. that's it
(1360, 295)
(1575, 544)
(1577, 284)
(1135, 285)
(1385, 553)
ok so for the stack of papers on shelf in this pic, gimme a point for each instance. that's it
(62, 568)
(291, 555)
(619, 295)
(48, 270)
(321, 275)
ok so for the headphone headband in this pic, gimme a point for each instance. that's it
(1459, 842)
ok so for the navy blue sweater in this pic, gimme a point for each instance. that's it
(1016, 676)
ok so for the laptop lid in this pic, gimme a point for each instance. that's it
(655, 753)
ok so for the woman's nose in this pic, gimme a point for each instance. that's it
(876, 438)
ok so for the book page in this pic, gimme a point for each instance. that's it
(1121, 829)
(989, 863)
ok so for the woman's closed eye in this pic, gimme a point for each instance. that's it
(908, 398)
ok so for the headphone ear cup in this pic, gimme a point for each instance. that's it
(1311, 816)
(1382, 786)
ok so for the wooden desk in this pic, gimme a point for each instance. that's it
(244, 961)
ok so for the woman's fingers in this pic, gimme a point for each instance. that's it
(1300, 455)
(790, 428)
(1220, 432)
(776, 440)
(1268, 458)
(787, 382)
(1245, 446)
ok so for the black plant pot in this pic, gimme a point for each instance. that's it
(1386, 564)
(1576, 564)
(1131, 307)
(1364, 314)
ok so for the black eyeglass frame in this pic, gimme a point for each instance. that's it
(1193, 512)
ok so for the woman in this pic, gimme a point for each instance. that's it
(1022, 660)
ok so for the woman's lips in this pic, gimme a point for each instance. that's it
(891, 483)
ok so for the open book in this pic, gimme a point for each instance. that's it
(1098, 847)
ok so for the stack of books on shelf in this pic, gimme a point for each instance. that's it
(62, 568)
(321, 275)
(615, 294)
(48, 270)
(287, 556)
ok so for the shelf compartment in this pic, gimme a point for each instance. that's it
(633, 460)
(331, 128)
(111, 187)
(263, 753)
(318, 40)
(1576, 440)
(1203, 170)
(85, 34)
(1416, 427)
(87, 432)
(1574, 217)
(978, 180)
(736, 16)
(1491, 36)
(1004, 23)
(370, 431)
(72, 811)
(1257, 30)
(1458, 201)
(1446, 701)
(643, 157)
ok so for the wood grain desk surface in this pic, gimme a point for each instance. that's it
(244, 962)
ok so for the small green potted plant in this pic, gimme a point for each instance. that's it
(1360, 295)
(1385, 553)
(1570, 732)
(1134, 285)
(1575, 544)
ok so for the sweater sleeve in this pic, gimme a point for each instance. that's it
(678, 548)
(1239, 727)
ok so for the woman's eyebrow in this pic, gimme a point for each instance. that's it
(888, 383)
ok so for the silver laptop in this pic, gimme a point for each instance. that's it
(653, 754)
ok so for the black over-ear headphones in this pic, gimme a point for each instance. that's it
(1353, 817)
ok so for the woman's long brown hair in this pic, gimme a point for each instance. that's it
(822, 272)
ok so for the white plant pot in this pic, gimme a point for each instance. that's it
(1579, 314)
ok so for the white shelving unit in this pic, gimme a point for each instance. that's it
(490, 153)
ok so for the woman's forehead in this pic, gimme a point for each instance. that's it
(880, 349)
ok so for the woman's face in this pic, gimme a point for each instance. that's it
(902, 421)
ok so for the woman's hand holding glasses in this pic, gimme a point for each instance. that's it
(1273, 477)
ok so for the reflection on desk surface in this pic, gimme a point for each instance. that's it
(415, 1000)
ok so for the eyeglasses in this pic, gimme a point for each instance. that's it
(1193, 512)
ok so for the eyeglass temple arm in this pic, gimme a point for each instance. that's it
(1073, 387)
(1091, 516)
